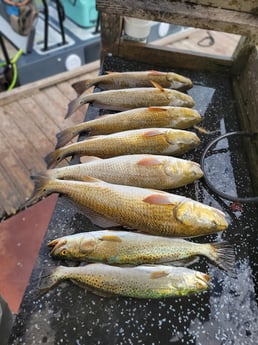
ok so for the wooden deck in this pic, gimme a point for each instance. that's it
(30, 117)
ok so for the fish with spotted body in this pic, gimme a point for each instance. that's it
(148, 281)
(116, 247)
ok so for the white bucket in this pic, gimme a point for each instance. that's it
(137, 29)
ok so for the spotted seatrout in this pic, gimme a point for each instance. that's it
(148, 210)
(124, 99)
(149, 171)
(137, 282)
(125, 247)
(123, 80)
(164, 141)
(163, 117)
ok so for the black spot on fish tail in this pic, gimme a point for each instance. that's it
(53, 158)
(64, 137)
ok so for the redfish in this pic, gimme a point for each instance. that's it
(137, 282)
(149, 171)
(123, 80)
(125, 99)
(163, 141)
(164, 117)
(144, 209)
(132, 248)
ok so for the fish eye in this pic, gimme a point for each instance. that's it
(64, 252)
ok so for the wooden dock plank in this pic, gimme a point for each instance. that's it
(30, 117)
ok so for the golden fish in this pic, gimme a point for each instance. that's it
(137, 282)
(151, 140)
(123, 80)
(125, 247)
(147, 210)
(173, 117)
(149, 171)
(124, 99)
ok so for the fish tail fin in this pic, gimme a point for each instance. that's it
(64, 137)
(53, 158)
(48, 279)
(222, 254)
(73, 106)
(81, 86)
(41, 189)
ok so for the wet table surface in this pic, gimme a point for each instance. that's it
(226, 314)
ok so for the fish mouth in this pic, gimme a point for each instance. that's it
(56, 244)
(202, 280)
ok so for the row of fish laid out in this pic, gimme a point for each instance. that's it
(132, 96)
(114, 187)
(108, 249)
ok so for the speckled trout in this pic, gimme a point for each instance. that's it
(149, 171)
(123, 80)
(137, 282)
(163, 117)
(125, 99)
(164, 141)
(126, 247)
(147, 210)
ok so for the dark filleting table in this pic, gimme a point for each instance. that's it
(226, 314)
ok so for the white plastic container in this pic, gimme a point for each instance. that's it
(136, 29)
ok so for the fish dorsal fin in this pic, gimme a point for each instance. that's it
(158, 274)
(88, 159)
(154, 109)
(153, 132)
(157, 85)
(153, 72)
(158, 199)
(112, 238)
(149, 161)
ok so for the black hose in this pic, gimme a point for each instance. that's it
(210, 185)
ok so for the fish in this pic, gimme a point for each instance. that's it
(164, 117)
(147, 210)
(141, 170)
(117, 247)
(123, 80)
(164, 141)
(125, 99)
(144, 281)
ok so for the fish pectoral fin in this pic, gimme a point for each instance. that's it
(157, 86)
(153, 132)
(158, 199)
(154, 109)
(157, 73)
(158, 274)
(149, 161)
(112, 238)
